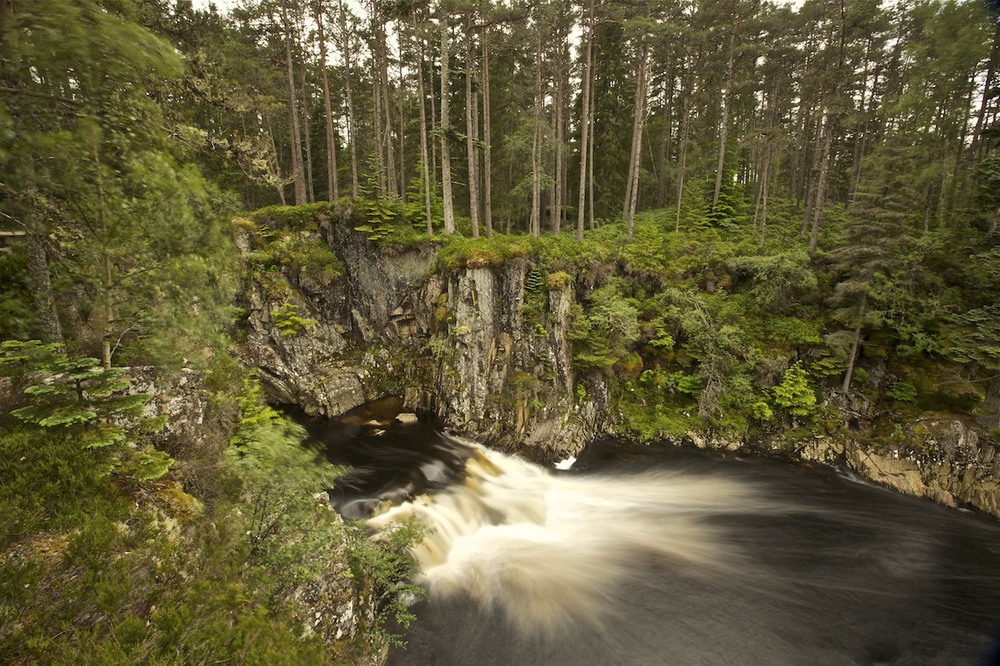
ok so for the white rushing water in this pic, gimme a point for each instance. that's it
(549, 550)
(652, 555)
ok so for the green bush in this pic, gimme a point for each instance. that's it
(77, 398)
(49, 484)
(608, 332)
(287, 320)
(294, 218)
(794, 395)
(902, 392)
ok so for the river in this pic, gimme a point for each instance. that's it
(669, 555)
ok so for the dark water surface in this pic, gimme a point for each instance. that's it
(665, 555)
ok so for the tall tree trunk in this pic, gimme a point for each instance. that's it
(864, 140)
(401, 96)
(632, 188)
(377, 130)
(383, 74)
(764, 183)
(307, 136)
(797, 173)
(332, 189)
(977, 146)
(666, 135)
(487, 141)
(298, 173)
(352, 134)
(107, 282)
(275, 165)
(956, 175)
(682, 160)
(553, 193)
(584, 131)
(989, 91)
(861, 127)
(449, 202)
(855, 345)
(627, 198)
(810, 181)
(593, 115)
(824, 169)
(558, 189)
(536, 144)
(424, 165)
(434, 115)
(724, 125)
(470, 130)
(41, 288)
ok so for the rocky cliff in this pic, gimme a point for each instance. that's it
(485, 346)
(455, 343)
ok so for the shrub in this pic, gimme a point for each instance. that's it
(558, 280)
(286, 318)
(794, 394)
(902, 392)
(77, 398)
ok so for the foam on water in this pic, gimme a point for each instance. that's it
(549, 550)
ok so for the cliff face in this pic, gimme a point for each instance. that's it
(944, 459)
(486, 349)
(501, 377)
(456, 344)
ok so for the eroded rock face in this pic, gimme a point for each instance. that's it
(377, 286)
(302, 361)
(943, 459)
(486, 349)
(331, 607)
(179, 396)
(507, 380)
(456, 344)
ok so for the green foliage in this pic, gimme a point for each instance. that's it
(295, 218)
(607, 333)
(558, 280)
(385, 563)
(776, 278)
(661, 341)
(902, 392)
(119, 590)
(659, 421)
(731, 207)
(414, 208)
(254, 412)
(80, 399)
(794, 395)
(48, 485)
(288, 532)
(792, 332)
(18, 315)
(535, 298)
(534, 281)
(974, 336)
(99, 576)
(761, 411)
(459, 252)
(297, 253)
(280, 477)
(288, 321)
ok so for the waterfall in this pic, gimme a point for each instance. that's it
(651, 555)
(548, 549)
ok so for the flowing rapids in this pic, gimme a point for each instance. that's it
(660, 555)
(550, 550)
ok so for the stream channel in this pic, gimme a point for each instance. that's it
(667, 555)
